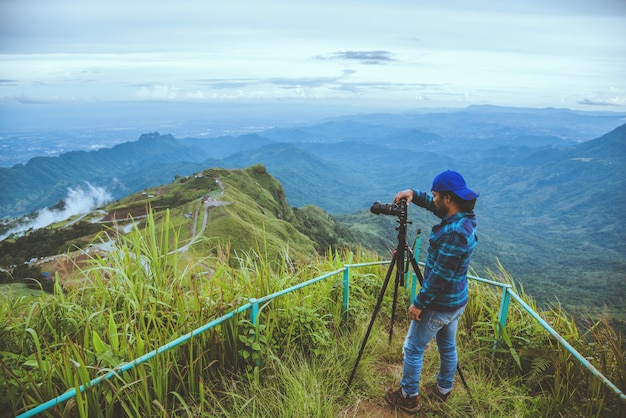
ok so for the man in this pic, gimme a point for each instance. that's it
(442, 298)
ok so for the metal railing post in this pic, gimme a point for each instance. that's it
(504, 313)
(413, 289)
(254, 319)
(346, 293)
(416, 253)
(254, 311)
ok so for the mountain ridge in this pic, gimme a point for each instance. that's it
(238, 212)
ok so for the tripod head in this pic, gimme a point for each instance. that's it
(401, 211)
(402, 221)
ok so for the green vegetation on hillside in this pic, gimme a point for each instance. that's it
(235, 210)
(296, 362)
(18, 256)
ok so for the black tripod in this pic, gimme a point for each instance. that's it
(403, 255)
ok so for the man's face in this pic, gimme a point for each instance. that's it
(441, 207)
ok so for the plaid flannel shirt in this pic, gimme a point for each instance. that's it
(450, 249)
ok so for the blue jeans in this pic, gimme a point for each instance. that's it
(443, 326)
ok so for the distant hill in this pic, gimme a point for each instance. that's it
(433, 136)
(43, 181)
(568, 203)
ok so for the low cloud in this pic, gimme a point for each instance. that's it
(23, 99)
(590, 102)
(610, 97)
(78, 201)
(364, 57)
(167, 92)
(288, 82)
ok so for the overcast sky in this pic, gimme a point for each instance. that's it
(406, 54)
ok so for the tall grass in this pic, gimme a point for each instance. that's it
(294, 362)
(537, 364)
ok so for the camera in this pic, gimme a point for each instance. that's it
(397, 209)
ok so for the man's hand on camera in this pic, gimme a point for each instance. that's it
(405, 194)
(414, 313)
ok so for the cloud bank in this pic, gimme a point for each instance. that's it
(78, 201)
(533, 53)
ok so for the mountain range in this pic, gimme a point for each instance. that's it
(551, 183)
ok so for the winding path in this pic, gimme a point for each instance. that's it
(194, 238)
(207, 203)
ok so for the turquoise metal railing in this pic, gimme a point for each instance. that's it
(253, 306)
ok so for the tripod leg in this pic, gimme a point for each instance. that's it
(395, 298)
(373, 318)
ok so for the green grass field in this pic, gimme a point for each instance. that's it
(13, 291)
